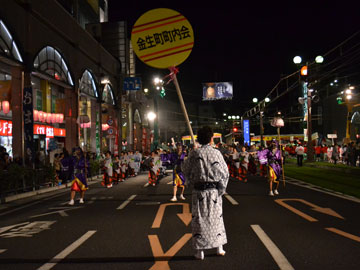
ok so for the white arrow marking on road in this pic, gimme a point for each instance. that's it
(2, 250)
(67, 251)
(124, 204)
(275, 252)
(4, 229)
(231, 199)
(146, 185)
(61, 211)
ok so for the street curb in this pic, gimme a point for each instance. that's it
(322, 189)
(44, 190)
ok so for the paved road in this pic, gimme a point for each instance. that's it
(133, 226)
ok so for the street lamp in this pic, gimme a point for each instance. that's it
(151, 116)
(297, 60)
(347, 96)
(307, 106)
(255, 100)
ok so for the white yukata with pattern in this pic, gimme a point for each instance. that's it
(207, 164)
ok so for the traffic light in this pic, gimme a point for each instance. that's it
(235, 129)
(340, 100)
(304, 72)
(162, 92)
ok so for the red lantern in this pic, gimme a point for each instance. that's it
(45, 117)
(48, 118)
(6, 106)
(36, 115)
(41, 116)
(53, 118)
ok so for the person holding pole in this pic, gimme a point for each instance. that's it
(178, 176)
(206, 170)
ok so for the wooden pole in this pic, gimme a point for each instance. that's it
(282, 163)
(183, 107)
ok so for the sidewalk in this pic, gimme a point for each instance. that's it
(41, 193)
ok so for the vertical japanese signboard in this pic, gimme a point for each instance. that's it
(28, 124)
(97, 135)
(246, 132)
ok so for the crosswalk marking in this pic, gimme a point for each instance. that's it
(67, 251)
(275, 252)
(124, 204)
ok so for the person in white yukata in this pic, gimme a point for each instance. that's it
(206, 170)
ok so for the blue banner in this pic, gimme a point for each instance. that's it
(246, 125)
(214, 91)
(132, 83)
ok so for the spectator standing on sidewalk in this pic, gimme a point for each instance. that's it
(206, 170)
(299, 154)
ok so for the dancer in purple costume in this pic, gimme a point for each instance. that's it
(274, 166)
(178, 176)
(79, 182)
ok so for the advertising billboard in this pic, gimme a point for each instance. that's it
(219, 90)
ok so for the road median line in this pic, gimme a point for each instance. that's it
(275, 252)
(124, 204)
(231, 199)
(67, 251)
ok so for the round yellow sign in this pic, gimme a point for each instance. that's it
(162, 38)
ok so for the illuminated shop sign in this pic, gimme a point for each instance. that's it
(50, 132)
(5, 128)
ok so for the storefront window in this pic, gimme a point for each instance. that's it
(107, 95)
(7, 44)
(87, 84)
(51, 62)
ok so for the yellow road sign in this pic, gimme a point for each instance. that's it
(162, 38)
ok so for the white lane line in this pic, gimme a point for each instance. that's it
(92, 200)
(124, 204)
(170, 183)
(231, 199)
(324, 190)
(275, 252)
(146, 185)
(2, 250)
(67, 251)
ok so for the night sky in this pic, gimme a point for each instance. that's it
(250, 45)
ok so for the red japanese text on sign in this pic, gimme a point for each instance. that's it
(5, 128)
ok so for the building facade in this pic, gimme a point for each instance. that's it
(58, 86)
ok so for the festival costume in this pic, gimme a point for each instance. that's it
(252, 163)
(154, 170)
(206, 170)
(244, 161)
(131, 166)
(79, 182)
(274, 165)
(178, 176)
(262, 156)
(108, 173)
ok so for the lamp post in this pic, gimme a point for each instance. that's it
(307, 95)
(261, 114)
